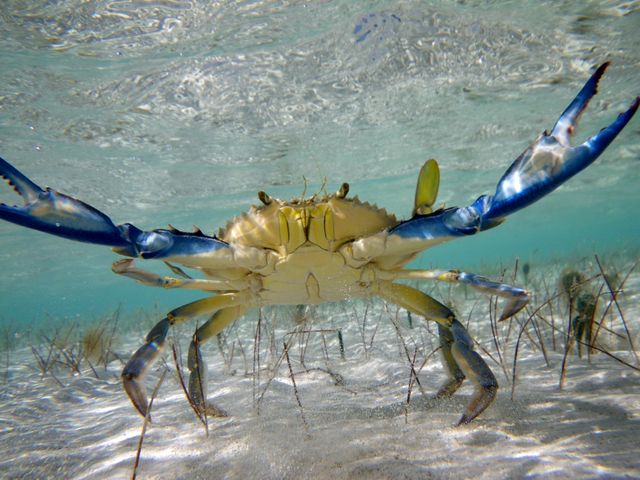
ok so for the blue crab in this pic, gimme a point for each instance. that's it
(322, 249)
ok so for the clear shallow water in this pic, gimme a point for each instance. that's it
(179, 112)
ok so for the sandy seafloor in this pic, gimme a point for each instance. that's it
(180, 111)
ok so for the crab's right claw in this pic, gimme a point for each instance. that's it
(551, 160)
(58, 214)
(52, 212)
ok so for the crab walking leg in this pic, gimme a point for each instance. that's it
(139, 363)
(459, 358)
(127, 268)
(516, 297)
(196, 364)
(145, 356)
(456, 377)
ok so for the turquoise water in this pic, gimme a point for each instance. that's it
(179, 112)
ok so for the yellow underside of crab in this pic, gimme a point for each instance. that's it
(307, 247)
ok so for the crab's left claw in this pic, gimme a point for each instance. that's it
(53, 212)
(551, 160)
(545, 165)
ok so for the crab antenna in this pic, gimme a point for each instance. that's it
(323, 186)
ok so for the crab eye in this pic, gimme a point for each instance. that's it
(344, 190)
(264, 198)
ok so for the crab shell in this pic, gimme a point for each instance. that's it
(309, 248)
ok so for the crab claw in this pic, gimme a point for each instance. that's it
(551, 160)
(52, 212)
(545, 165)
(58, 214)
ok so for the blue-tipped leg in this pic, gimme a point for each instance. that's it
(139, 364)
(545, 165)
(475, 369)
(58, 214)
(516, 297)
(462, 361)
